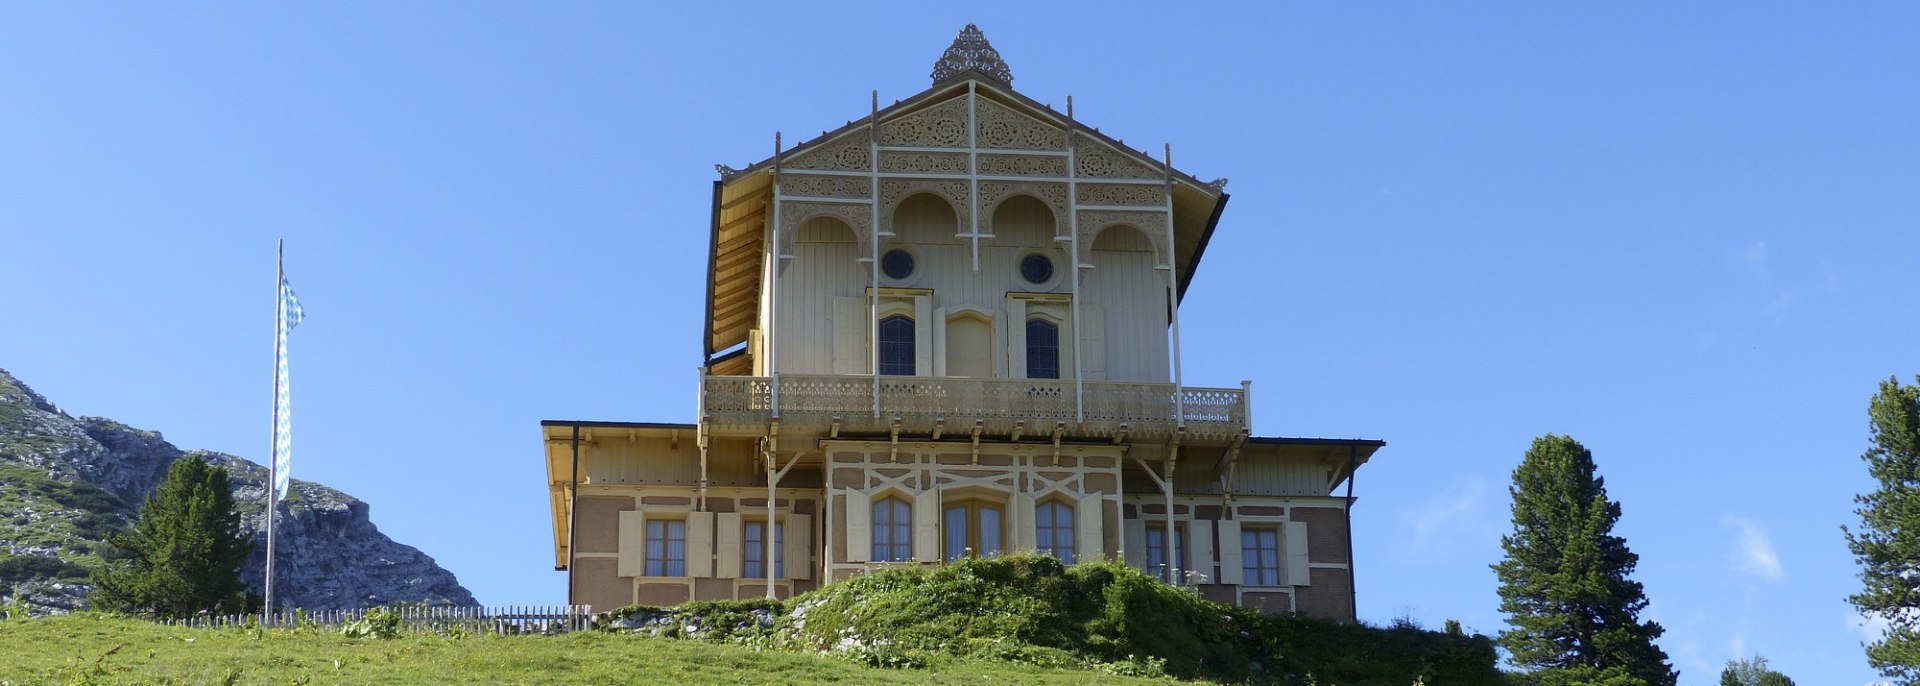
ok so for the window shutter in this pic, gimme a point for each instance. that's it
(633, 544)
(1093, 343)
(850, 333)
(1016, 338)
(1200, 549)
(1134, 541)
(859, 526)
(923, 335)
(699, 544)
(939, 343)
(926, 526)
(1088, 542)
(1023, 523)
(1295, 542)
(798, 532)
(1230, 571)
(727, 545)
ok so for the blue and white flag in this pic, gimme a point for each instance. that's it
(290, 316)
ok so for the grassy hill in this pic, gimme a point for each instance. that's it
(1017, 619)
(89, 649)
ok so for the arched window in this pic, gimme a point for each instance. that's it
(1053, 530)
(1043, 349)
(896, 345)
(892, 531)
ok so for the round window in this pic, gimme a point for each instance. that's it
(1036, 268)
(897, 264)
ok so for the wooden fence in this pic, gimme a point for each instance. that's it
(505, 619)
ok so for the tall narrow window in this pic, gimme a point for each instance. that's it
(1157, 552)
(896, 345)
(1043, 349)
(1053, 530)
(753, 553)
(1260, 556)
(892, 531)
(666, 547)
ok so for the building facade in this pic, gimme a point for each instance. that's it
(951, 328)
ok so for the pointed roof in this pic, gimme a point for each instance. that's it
(970, 50)
(741, 195)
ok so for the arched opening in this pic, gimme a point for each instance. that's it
(969, 345)
(1024, 221)
(925, 218)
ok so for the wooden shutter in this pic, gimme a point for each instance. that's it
(633, 544)
(1016, 338)
(850, 332)
(1093, 343)
(727, 545)
(1088, 542)
(1295, 544)
(1230, 571)
(926, 526)
(1134, 542)
(798, 546)
(859, 526)
(923, 335)
(1200, 549)
(699, 544)
(1023, 523)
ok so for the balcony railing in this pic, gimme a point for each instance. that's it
(1145, 411)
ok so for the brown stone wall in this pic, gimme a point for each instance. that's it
(1261, 511)
(594, 583)
(663, 594)
(1208, 512)
(839, 552)
(1326, 533)
(597, 522)
(1270, 602)
(712, 589)
(719, 504)
(665, 500)
(1330, 596)
(1110, 532)
(1102, 483)
(1219, 593)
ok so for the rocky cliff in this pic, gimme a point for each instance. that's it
(66, 482)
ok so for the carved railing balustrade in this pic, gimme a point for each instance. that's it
(1144, 411)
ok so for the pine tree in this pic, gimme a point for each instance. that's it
(1752, 672)
(1563, 583)
(1888, 541)
(184, 553)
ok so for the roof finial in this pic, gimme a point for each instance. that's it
(970, 50)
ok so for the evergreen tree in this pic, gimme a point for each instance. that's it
(1563, 583)
(1752, 673)
(1888, 542)
(184, 553)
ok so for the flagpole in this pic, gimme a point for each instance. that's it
(273, 465)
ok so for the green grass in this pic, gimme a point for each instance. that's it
(94, 649)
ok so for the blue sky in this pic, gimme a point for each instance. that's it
(1683, 234)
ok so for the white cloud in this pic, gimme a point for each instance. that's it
(1753, 551)
(1869, 627)
(1446, 515)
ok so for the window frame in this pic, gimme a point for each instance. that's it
(1052, 529)
(893, 346)
(1037, 352)
(659, 559)
(891, 530)
(974, 536)
(753, 546)
(1252, 568)
(1156, 549)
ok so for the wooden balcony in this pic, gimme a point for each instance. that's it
(952, 406)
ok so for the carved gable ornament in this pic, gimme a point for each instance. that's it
(970, 50)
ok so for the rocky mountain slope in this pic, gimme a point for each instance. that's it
(66, 482)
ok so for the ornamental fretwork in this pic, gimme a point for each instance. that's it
(970, 50)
